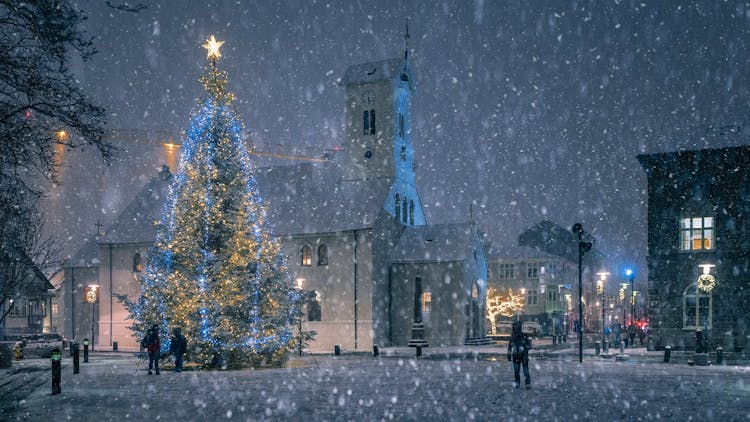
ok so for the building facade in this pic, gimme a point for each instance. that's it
(699, 246)
(340, 223)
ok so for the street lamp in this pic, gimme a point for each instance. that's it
(583, 247)
(600, 289)
(623, 289)
(631, 274)
(91, 297)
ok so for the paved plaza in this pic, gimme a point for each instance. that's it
(458, 384)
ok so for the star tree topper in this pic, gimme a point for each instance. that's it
(212, 45)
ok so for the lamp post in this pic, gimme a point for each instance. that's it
(623, 289)
(600, 289)
(705, 282)
(631, 274)
(91, 297)
(583, 247)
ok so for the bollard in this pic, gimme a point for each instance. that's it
(565, 338)
(56, 375)
(337, 350)
(18, 350)
(554, 340)
(605, 347)
(596, 348)
(419, 351)
(375, 350)
(85, 350)
(667, 353)
(719, 355)
(76, 355)
(622, 347)
(114, 346)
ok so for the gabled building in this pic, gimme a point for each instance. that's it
(344, 226)
(699, 246)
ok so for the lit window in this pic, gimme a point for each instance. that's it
(696, 233)
(532, 270)
(531, 297)
(137, 263)
(322, 255)
(696, 305)
(306, 256)
(55, 310)
(426, 301)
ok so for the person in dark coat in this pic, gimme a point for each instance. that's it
(518, 351)
(177, 346)
(153, 347)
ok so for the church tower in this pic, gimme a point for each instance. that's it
(378, 133)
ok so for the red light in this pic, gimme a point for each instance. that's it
(28, 114)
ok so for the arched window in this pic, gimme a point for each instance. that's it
(403, 153)
(137, 263)
(696, 308)
(404, 210)
(368, 122)
(322, 255)
(313, 307)
(306, 256)
(411, 212)
(398, 207)
(401, 125)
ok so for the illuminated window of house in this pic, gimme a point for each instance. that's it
(306, 256)
(313, 307)
(137, 263)
(55, 310)
(426, 301)
(507, 271)
(531, 297)
(398, 207)
(696, 233)
(532, 270)
(322, 255)
(696, 308)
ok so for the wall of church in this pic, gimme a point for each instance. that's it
(336, 286)
(117, 276)
(77, 315)
(445, 321)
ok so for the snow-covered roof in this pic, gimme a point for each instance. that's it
(436, 243)
(136, 223)
(518, 252)
(312, 198)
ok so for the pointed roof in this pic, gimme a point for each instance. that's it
(136, 223)
(389, 69)
(312, 198)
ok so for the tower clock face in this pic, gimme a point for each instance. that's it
(368, 98)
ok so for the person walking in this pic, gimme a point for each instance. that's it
(518, 351)
(177, 346)
(153, 346)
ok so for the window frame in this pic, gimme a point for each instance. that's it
(532, 269)
(692, 291)
(306, 256)
(690, 232)
(532, 297)
(322, 255)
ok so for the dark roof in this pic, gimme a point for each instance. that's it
(312, 198)
(136, 223)
(733, 154)
(87, 256)
(436, 243)
(519, 252)
(388, 69)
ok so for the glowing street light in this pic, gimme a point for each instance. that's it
(600, 289)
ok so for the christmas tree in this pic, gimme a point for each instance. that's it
(214, 271)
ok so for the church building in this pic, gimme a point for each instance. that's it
(353, 229)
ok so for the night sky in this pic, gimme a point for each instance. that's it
(530, 110)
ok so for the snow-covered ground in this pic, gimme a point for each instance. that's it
(399, 387)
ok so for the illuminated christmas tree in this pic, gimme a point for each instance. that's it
(214, 270)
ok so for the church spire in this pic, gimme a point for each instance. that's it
(406, 41)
